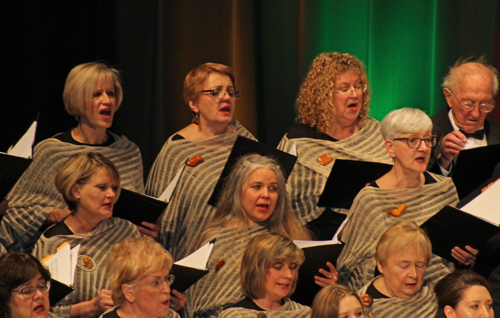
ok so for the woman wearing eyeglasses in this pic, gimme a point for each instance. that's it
(210, 92)
(332, 123)
(140, 279)
(24, 287)
(407, 192)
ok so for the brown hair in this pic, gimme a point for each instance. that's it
(327, 302)
(314, 104)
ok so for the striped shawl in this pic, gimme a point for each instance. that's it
(35, 194)
(171, 313)
(221, 287)
(368, 220)
(289, 309)
(422, 305)
(308, 177)
(188, 211)
(97, 245)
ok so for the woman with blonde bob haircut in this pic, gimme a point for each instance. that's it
(269, 269)
(92, 95)
(403, 254)
(139, 275)
(90, 184)
(210, 92)
(332, 123)
(337, 301)
(253, 201)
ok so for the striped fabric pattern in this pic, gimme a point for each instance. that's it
(368, 220)
(289, 309)
(188, 211)
(97, 245)
(308, 177)
(111, 313)
(221, 287)
(422, 305)
(35, 194)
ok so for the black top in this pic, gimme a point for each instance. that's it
(374, 292)
(59, 229)
(66, 137)
(428, 180)
(246, 303)
(177, 137)
(304, 131)
(112, 314)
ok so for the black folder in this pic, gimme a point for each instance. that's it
(473, 167)
(137, 207)
(452, 227)
(316, 258)
(347, 178)
(11, 169)
(244, 146)
(185, 277)
(58, 291)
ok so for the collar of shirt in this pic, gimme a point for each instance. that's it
(471, 142)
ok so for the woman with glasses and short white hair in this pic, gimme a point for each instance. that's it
(140, 279)
(332, 123)
(210, 91)
(24, 287)
(407, 192)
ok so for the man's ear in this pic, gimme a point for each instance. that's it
(389, 146)
(448, 95)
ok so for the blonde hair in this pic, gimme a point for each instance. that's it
(82, 80)
(399, 236)
(197, 77)
(133, 259)
(327, 302)
(78, 170)
(261, 253)
(230, 207)
(314, 104)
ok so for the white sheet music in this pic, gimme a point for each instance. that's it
(199, 258)
(62, 265)
(167, 194)
(24, 147)
(486, 205)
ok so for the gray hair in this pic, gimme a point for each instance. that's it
(456, 74)
(404, 121)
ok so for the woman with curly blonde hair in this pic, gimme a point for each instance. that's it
(332, 121)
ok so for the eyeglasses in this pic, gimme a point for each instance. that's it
(158, 283)
(29, 292)
(468, 107)
(216, 93)
(415, 142)
(360, 88)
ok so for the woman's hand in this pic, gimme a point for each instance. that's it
(94, 307)
(177, 300)
(57, 215)
(149, 229)
(331, 276)
(464, 257)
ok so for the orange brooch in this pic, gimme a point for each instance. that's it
(193, 162)
(220, 263)
(398, 211)
(325, 159)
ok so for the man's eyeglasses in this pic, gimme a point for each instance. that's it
(29, 292)
(360, 88)
(485, 108)
(216, 93)
(415, 142)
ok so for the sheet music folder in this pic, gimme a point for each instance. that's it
(473, 167)
(244, 146)
(316, 258)
(347, 178)
(58, 291)
(452, 227)
(137, 207)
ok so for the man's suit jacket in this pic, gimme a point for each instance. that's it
(442, 126)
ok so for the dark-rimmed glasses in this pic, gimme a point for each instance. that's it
(468, 107)
(29, 292)
(415, 142)
(216, 93)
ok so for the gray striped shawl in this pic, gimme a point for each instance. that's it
(289, 309)
(368, 220)
(188, 211)
(422, 305)
(171, 313)
(96, 244)
(35, 194)
(308, 177)
(221, 287)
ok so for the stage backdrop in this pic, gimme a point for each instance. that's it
(406, 46)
